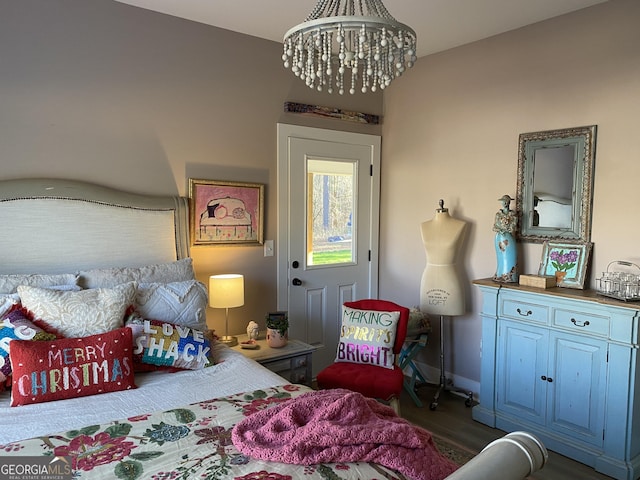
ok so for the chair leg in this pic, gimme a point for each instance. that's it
(395, 404)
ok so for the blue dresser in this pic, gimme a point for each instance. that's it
(563, 364)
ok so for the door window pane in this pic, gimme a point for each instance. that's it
(330, 212)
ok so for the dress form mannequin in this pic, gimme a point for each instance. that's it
(442, 290)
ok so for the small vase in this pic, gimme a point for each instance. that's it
(275, 340)
(507, 258)
(560, 276)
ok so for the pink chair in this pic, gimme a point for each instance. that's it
(371, 380)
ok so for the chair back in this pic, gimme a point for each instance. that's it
(386, 306)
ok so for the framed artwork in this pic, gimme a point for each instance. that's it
(226, 213)
(568, 262)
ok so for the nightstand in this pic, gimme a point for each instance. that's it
(292, 362)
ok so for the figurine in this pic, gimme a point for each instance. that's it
(252, 330)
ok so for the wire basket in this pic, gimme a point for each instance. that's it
(621, 285)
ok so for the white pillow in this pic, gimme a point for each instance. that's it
(82, 313)
(181, 303)
(7, 301)
(367, 337)
(177, 271)
(10, 283)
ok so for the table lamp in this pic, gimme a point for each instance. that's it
(226, 291)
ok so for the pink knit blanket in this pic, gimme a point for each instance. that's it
(330, 426)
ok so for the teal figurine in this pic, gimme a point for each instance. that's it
(505, 243)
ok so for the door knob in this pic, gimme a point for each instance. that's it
(297, 282)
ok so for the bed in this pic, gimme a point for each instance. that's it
(84, 254)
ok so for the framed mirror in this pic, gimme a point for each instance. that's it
(554, 194)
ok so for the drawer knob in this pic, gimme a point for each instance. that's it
(546, 379)
(524, 314)
(578, 323)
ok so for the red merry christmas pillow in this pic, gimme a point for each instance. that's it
(71, 367)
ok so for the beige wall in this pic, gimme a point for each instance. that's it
(104, 92)
(451, 131)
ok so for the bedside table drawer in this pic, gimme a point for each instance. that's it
(300, 362)
(293, 361)
(278, 366)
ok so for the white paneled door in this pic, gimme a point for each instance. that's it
(328, 206)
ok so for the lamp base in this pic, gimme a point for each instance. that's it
(229, 340)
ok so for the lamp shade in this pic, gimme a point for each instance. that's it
(226, 291)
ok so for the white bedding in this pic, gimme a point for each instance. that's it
(234, 373)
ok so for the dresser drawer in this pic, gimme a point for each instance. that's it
(520, 310)
(581, 322)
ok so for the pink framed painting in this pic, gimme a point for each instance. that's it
(226, 213)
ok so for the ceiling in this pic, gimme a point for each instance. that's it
(439, 24)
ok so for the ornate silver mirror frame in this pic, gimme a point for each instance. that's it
(554, 194)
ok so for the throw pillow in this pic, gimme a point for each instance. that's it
(182, 303)
(10, 283)
(8, 301)
(367, 337)
(162, 273)
(16, 326)
(167, 344)
(82, 313)
(418, 323)
(71, 367)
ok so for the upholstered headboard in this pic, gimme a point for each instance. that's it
(60, 226)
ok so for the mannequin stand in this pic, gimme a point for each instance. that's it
(443, 379)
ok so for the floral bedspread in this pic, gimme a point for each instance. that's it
(192, 442)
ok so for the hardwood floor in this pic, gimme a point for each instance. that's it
(452, 420)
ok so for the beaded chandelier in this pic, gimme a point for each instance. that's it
(349, 44)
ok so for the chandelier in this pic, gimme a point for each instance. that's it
(349, 44)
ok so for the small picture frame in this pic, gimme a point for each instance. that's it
(226, 213)
(568, 262)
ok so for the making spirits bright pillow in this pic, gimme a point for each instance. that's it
(167, 344)
(367, 337)
(71, 367)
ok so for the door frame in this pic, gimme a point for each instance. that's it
(286, 131)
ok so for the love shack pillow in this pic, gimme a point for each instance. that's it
(82, 313)
(71, 367)
(367, 337)
(167, 344)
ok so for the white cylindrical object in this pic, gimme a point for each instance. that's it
(512, 457)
